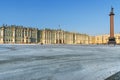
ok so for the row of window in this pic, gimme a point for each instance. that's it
(18, 35)
(18, 40)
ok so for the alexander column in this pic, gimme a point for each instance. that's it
(112, 38)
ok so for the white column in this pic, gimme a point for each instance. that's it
(13, 34)
(2, 35)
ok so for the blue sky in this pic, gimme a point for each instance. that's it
(83, 16)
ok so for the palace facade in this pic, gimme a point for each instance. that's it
(18, 34)
(25, 35)
(50, 36)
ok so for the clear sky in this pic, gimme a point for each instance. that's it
(83, 16)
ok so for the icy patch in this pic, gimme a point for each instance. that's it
(58, 62)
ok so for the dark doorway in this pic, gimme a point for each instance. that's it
(60, 41)
(56, 41)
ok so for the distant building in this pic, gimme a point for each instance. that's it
(103, 39)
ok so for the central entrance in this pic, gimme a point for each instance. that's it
(59, 41)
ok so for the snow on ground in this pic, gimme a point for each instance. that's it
(58, 62)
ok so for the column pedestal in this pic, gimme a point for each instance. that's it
(112, 41)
